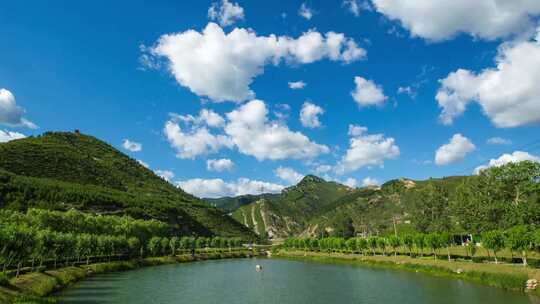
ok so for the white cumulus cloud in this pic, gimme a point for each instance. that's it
(368, 182)
(226, 13)
(438, 20)
(297, 85)
(10, 113)
(165, 174)
(367, 93)
(222, 66)
(454, 151)
(506, 158)
(366, 150)
(254, 134)
(309, 115)
(219, 165)
(508, 93)
(305, 11)
(6, 135)
(214, 188)
(131, 145)
(288, 174)
(247, 128)
(194, 141)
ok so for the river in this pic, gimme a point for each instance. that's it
(280, 282)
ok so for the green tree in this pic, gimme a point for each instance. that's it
(419, 243)
(431, 209)
(499, 198)
(408, 241)
(432, 241)
(494, 241)
(372, 243)
(394, 242)
(154, 245)
(518, 238)
(447, 240)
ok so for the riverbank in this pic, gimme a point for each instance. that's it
(506, 276)
(36, 286)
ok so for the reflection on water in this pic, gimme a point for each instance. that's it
(280, 282)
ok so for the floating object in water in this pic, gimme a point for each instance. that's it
(258, 268)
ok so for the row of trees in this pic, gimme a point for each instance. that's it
(42, 236)
(517, 239)
(74, 221)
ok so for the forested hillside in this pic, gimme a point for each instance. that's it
(497, 198)
(290, 212)
(63, 170)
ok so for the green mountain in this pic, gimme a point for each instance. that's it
(316, 207)
(289, 212)
(63, 170)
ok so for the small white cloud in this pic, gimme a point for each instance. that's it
(147, 166)
(305, 11)
(219, 165)
(297, 85)
(205, 117)
(454, 151)
(10, 113)
(408, 91)
(6, 136)
(367, 93)
(366, 150)
(368, 181)
(498, 141)
(321, 169)
(165, 174)
(350, 182)
(226, 13)
(214, 188)
(516, 157)
(355, 6)
(309, 115)
(131, 145)
(288, 174)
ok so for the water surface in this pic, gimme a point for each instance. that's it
(280, 282)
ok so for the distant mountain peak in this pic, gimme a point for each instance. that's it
(311, 179)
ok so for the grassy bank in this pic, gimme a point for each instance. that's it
(506, 276)
(36, 286)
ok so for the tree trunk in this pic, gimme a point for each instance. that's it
(18, 269)
(495, 255)
(524, 255)
(448, 253)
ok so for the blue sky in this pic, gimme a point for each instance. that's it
(102, 68)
